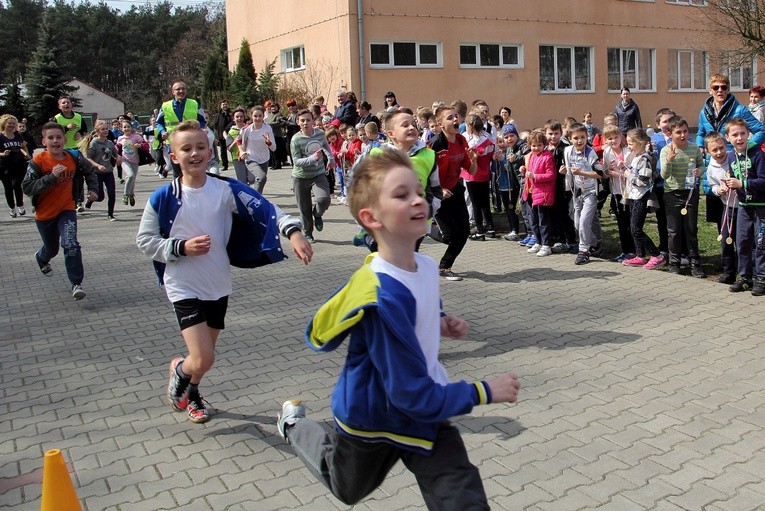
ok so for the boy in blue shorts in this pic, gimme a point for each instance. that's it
(393, 399)
(195, 228)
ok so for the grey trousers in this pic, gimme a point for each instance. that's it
(352, 468)
(308, 209)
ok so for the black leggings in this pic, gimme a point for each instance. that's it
(12, 184)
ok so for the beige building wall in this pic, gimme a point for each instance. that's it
(328, 31)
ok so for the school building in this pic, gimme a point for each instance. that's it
(542, 59)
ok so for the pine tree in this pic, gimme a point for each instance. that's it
(45, 81)
(268, 82)
(244, 88)
(215, 75)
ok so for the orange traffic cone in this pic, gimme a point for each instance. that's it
(57, 489)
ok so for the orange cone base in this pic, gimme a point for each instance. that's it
(58, 492)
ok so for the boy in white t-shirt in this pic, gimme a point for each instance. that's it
(195, 228)
(393, 399)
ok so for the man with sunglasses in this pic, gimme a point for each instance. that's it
(720, 107)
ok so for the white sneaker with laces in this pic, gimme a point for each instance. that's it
(534, 249)
(292, 411)
(544, 251)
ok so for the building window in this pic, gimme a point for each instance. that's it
(740, 70)
(405, 54)
(688, 70)
(565, 69)
(632, 68)
(293, 59)
(491, 55)
(700, 3)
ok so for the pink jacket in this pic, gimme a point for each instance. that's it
(542, 166)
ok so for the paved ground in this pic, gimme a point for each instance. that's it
(642, 390)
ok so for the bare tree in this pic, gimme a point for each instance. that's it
(318, 78)
(741, 20)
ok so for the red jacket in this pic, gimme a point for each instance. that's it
(542, 166)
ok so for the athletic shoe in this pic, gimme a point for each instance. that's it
(635, 261)
(77, 292)
(491, 232)
(510, 236)
(697, 272)
(80, 207)
(544, 251)
(22, 211)
(448, 274)
(596, 251)
(536, 247)
(758, 289)
(88, 204)
(655, 262)
(125, 200)
(197, 410)
(318, 223)
(742, 284)
(131, 199)
(726, 279)
(622, 257)
(310, 238)
(477, 237)
(582, 258)
(44, 268)
(559, 248)
(13, 213)
(292, 411)
(111, 218)
(523, 241)
(177, 389)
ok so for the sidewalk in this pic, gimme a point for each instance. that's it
(641, 389)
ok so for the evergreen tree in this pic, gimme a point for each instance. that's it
(244, 88)
(13, 102)
(45, 81)
(268, 82)
(215, 75)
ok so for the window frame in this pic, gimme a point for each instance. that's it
(573, 49)
(705, 78)
(418, 64)
(287, 62)
(500, 47)
(637, 87)
(727, 67)
(692, 3)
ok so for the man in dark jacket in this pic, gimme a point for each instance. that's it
(346, 111)
(221, 124)
(627, 113)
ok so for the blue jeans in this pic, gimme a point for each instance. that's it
(61, 232)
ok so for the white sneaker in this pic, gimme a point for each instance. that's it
(292, 411)
(544, 251)
(77, 292)
(534, 249)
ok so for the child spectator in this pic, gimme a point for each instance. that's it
(51, 181)
(393, 399)
(540, 184)
(563, 233)
(592, 130)
(212, 165)
(188, 229)
(598, 140)
(583, 170)
(350, 150)
(477, 183)
(103, 151)
(614, 163)
(232, 142)
(452, 156)
(748, 179)
(335, 142)
(638, 180)
(718, 170)
(681, 163)
(757, 102)
(309, 174)
(509, 182)
(658, 141)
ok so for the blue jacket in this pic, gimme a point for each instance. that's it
(384, 392)
(254, 238)
(710, 121)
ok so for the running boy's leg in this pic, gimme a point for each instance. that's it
(66, 223)
(351, 469)
(447, 479)
(322, 197)
(111, 192)
(302, 189)
(49, 234)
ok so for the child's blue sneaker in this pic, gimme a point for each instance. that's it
(524, 241)
(360, 239)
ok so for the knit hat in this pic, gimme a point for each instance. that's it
(508, 129)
